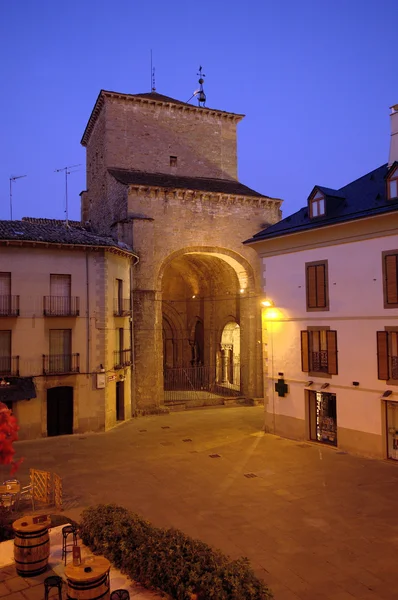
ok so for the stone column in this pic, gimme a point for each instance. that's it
(148, 350)
(226, 350)
(250, 347)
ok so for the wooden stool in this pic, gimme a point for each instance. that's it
(51, 582)
(120, 595)
(67, 530)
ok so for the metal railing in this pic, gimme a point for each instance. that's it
(319, 362)
(122, 307)
(122, 358)
(9, 365)
(197, 382)
(9, 306)
(61, 363)
(61, 306)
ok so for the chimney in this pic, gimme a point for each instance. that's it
(394, 135)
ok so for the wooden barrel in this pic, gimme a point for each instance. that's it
(31, 546)
(90, 580)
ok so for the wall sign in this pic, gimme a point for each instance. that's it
(100, 381)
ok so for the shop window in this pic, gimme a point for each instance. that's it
(387, 355)
(390, 278)
(317, 285)
(319, 351)
(323, 418)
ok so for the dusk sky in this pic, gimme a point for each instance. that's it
(314, 78)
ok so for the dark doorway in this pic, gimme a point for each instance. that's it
(120, 401)
(323, 418)
(60, 411)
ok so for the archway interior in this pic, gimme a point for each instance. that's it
(230, 355)
(200, 294)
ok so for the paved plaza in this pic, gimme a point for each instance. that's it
(316, 523)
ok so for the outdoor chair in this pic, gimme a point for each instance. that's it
(27, 493)
(11, 495)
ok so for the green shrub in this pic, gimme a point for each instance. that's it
(6, 519)
(167, 559)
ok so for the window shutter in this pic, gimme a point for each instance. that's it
(331, 344)
(382, 355)
(391, 279)
(311, 287)
(305, 351)
(321, 286)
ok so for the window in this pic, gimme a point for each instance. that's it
(390, 278)
(59, 302)
(317, 205)
(5, 352)
(60, 350)
(392, 185)
(387, 354)
(5, 293)
(119, 292)
(317, 285)
(173, 161)
(319, 351)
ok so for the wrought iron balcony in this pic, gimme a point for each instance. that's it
(122, 358)
(9, 306)
(9, 366)
(122, 307)
(61, 306)
(61, 364)
(319, 362)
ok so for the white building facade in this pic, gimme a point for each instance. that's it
(330, 330)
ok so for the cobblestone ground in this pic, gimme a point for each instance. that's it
(317, 524)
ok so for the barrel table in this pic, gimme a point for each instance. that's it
(31, 545)
(89, 580)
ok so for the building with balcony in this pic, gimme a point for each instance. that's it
(65, 327)
(330, 320)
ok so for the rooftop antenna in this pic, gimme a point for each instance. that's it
(67, 172)
(200, 92)
(12, 179)
(153, 86)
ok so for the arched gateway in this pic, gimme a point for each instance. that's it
(162, 177)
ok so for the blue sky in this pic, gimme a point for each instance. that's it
(314, 78)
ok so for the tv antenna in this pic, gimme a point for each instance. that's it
(12, 179)
(153, 86)
(67, 173)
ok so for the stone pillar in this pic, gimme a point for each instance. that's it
(250, 347)
(226, 350)
(148, 350)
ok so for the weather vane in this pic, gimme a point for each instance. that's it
(201, 95)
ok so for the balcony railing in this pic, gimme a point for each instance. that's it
(9, 365)
(9, 306)
(319, 362)
(61, 306)
(61, 364)
(122, 358)
(122, 307)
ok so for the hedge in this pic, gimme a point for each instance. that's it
(167, 559)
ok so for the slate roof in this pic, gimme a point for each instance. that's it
(362, 198)
(54, 231)
(203, 184)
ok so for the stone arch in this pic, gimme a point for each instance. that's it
(206, 288)
(241, 266)
(230, 354)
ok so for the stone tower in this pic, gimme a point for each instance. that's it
(162, 177)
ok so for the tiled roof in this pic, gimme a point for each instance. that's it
(363, 197)
(160, 98)
(203, 184)
(54, 231)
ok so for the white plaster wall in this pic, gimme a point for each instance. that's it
(356, 312)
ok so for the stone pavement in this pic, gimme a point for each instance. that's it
(316, 523)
